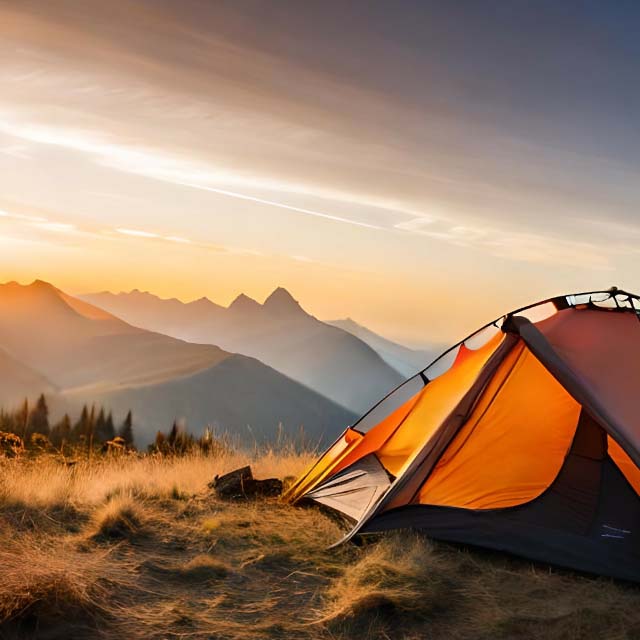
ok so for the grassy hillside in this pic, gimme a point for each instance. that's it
(138, 547)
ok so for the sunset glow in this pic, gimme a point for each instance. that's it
(233, 150)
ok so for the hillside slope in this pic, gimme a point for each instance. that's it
(279, 333)
(406, 361)
(18, 381)
(75, 344)
(240, 396)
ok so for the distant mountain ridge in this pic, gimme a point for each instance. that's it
(76, 352)
(403, 359)
(278, 332)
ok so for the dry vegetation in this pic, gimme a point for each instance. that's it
(137, 547)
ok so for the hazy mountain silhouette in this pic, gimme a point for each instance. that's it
(241, 395)
(20, 381)
(403, 359)
(278, 332)
(75, 344)
(50, 338)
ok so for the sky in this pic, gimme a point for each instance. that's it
(419, 166)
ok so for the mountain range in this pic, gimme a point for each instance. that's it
(77, 352)
(279, 332)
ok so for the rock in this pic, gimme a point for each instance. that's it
(233, 485)
(240, 485)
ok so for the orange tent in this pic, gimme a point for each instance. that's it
(524, 437)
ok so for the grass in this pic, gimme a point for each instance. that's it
(138, 547)
(121, 517)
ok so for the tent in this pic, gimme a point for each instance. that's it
(524, 437)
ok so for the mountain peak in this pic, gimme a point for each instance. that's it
(281, 301)
(204, 304)
(35, 288)
(243, 303)
(41, 284)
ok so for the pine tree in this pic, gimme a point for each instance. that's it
(61, 431)
(38, 419)
(104, 430)
(82, 427)
(100, 428)
(173, 435)
(126, 430)
(109, 429)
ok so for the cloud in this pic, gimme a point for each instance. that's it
(505, 242)
(518, 245)
(43, 230)
(154, 236)
(162, 166)
(19, 216)
(61, 227)
(137, 233)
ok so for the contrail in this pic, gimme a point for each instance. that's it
(281, 205)
(115, 154)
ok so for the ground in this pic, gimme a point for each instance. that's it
(138, 547)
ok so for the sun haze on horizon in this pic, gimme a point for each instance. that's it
(420, 167)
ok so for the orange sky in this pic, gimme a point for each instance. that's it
(208, 150)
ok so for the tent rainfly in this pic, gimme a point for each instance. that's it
(525, 438)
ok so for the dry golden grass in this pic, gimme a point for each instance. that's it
(137, 547)
(119, 518)
(49, 585)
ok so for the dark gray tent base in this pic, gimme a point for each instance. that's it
(543, 530)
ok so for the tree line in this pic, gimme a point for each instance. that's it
(178, 441)
(92, 428)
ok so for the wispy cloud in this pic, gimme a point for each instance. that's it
(165, 167)
(38, 228)
(20, 216)
(137, 233)
(507, 242)
(518, 245)
(140, 233)
(61, 227)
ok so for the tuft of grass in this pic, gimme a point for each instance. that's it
(118, 519)
(202, 569)
(398, 582)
